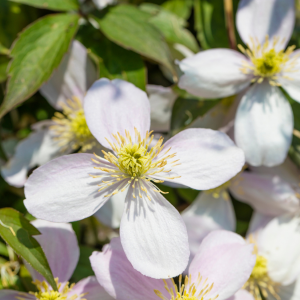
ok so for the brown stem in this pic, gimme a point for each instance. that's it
(228, 7)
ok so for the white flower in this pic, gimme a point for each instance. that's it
(264, 119)
(152, 232)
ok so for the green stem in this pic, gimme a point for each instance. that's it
(228, 7)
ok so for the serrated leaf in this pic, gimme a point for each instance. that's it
(127, 26)
(35, 54)
(60, 5)
(4, 60)
(171, 26)
(17, 232)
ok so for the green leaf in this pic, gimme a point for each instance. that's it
(3, 249)
(210, 24)
(4, 50)
(35, 54)
(16, 230)
(187, 109)
(127, 26)
(188, 195)
(182, 8)
(83, 268)
(60, 5)
(171, 26)
(4, 60)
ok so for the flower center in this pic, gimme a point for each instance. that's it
(260, 284)
(70, 127)
(267, 63)
(133, 163)
(45, 292)
(188, 290)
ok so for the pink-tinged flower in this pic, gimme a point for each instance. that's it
(270, 191)
(152, 232)
(264, 119)
(277, 245)
(59, 243)
(221, 267)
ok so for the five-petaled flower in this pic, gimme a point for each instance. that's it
(264, 118)
(152, 231)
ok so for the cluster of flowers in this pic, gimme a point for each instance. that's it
(121, 160)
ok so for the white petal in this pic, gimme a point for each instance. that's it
(258, 222)
(60, 245)
(264, 125)
(269, 195)
(242, 295)
(101, 4)
(110, 214)
(37, 149)
(154, 235)
(205, 215)
(207, 158)
(73, 77)
(214, 73)
(290, 81)
(115, 106)
(289, 292)
(119, 278)
(224, 259)
(279, 242)
(161, 103)
(62, 190)
(258, 18)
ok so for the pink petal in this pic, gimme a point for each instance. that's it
(119, 278)
(269, 195)
(91, 288)
(62, 190)
(214, 73)
(225, 260)
(207, 158)
(258, 18)
(13, 295)
(73, 77)
(154, 235)
(60, 245)
(241, 295)
(115, 106)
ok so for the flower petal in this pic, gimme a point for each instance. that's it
(264, 125)
(258, 222)
(37, 149)
(161, 102)
(60, 245)
(242, 295)
(214, 73)
(269, 195)
(276, 18)
(290, 81)
(13, 295)
(205, 215)
(73, 77)
(154, 235)
(279, 242)
(91, 289)
(207, 158)
(111, 212)
(119, 278)
(225, 260)
(289, 292)
(62, 190)
(115, 106)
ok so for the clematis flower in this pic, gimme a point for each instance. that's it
(221, 267)
(277, 267)
(270, 191)
(60, 245)
(264, 119)
(66, 131)
(152, 232)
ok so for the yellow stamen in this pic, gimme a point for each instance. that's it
(267, 62)
(70, 127)
(189, 290)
